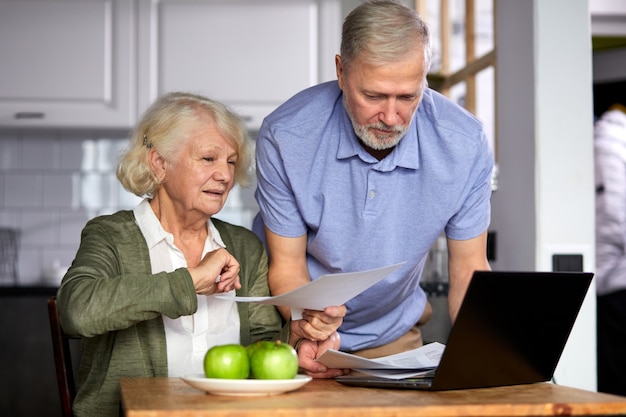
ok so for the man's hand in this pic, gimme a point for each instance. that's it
(319, 325)
(309, 351)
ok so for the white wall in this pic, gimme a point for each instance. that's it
(545, 203)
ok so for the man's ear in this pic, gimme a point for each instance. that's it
(339, 70)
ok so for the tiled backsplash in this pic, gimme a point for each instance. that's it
(52, 182)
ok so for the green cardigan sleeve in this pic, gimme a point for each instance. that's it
(110, 285)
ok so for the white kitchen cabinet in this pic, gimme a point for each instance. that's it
(100, 63)
(250, 54)
(67, 63)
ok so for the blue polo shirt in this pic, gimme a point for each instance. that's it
(359, 213)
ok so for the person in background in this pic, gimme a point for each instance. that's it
(368, 171)
(138, 289)
(610, 179)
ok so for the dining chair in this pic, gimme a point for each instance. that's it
(9, 247)
(62, 360)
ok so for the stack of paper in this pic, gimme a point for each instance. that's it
(409, 364)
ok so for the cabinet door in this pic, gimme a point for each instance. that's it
(250, 54)
(67, 63)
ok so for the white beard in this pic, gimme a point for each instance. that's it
(363, 132)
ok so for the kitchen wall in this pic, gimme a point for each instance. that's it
(52, 182)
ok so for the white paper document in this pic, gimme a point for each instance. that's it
(325, 291)
(412, 363)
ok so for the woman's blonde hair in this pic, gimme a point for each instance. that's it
(161, 127)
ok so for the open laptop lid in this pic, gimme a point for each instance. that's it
(511, 328)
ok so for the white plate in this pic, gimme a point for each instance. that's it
(245, 386)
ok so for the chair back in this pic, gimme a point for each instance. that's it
(62, 360)
(9, 247)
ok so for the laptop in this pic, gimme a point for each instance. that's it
(511, 329)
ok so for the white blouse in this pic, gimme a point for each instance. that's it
(216, 321)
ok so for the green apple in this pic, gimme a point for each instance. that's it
(274, 360)
(227, 361)
(256, 346)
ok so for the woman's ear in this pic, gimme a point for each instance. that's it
(157, 164)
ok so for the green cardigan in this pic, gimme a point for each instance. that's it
(110, 298)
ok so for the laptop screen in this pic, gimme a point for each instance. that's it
(511, 328)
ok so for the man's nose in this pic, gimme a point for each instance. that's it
(389, 112)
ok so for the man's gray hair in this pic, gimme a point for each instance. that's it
(383, 31)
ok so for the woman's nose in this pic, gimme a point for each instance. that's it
(224, 171)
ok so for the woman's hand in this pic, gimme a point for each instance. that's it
(217, 272)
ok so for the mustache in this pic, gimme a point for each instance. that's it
(386, 128)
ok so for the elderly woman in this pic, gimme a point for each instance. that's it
(137, 290)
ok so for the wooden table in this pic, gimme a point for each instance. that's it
(161, 397)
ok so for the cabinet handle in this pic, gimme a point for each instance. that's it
(29, 115)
